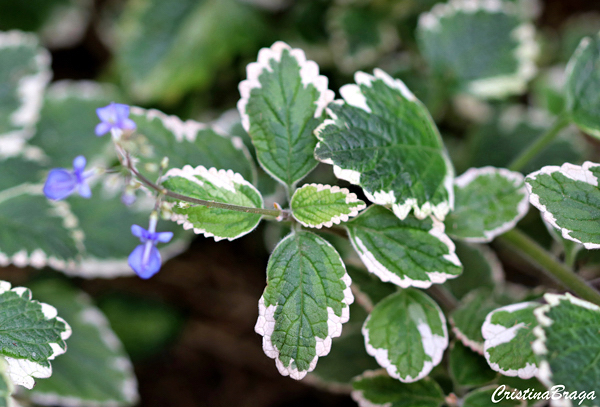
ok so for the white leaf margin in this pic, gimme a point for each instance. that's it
(226, 179)
(544, 373)
(23, 371)
(351, 198)
(433, 346)
(574, 172)
(525, 53)
(386, 275)
(265, 325)
(30, 89)
(358, 395)
(495, 335)
(353, 96)
(472, 174)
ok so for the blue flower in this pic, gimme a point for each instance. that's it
(113, 116)
(145, 258)
(61, 183)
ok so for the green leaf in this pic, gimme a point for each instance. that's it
(489, 201)
(67, 120)
(367, 288)
(508, 334)
(583, 86)
(219, 186)
(496, 62)
(407, 335)
(19, 169)
(95, 370)
(31, 335)
(317, 205)
(409, 252)
(35, 231)
(281, 105)
(165, 49)
(486, 396)
(305, 303)
(383, 139)
(184, 143)
(468, 318)
(468, 368)
(375, 388)
(569, 199)
(24, 74)
(567, 344)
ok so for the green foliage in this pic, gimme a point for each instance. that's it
(468, 368)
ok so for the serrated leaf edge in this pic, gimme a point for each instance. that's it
(573, 172)
(22, 371)
(385, 275)
(265, 326)
(469, 343)
(495, 335)
(350, 199)
(522, 208)
(220, 178)
(433, 346)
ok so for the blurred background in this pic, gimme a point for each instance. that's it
(189, 330)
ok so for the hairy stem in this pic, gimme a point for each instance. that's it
(546, 262)
(539, 144)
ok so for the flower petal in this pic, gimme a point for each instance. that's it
(163, 237)
(145, 269)
(139, 231)
(59, 184)
(84, 190)
(107, 114)
(79, 164)
(102, 128)
(121, 111)
(127, 124)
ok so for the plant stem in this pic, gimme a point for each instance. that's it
(443, 297)
(274, 213)
(536, 254)
(539, 144)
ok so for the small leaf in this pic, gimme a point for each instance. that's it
(24, 74)
(281, 105)
(407, 335)
(468, 318)
(508, 334)
(409, 252)
(495, 63)
(159, 135)
(316, 205)
(377, 389)
(583, 86)
(489, 201)
(305, 303)
(567, 344)
(383, 139)
(219, 186)
(35, 231)
(468, 368)
(569, 199)
(31, 336)
(486, 396)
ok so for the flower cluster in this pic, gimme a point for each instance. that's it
(145, 259)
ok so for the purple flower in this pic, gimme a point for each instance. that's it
(145, 258)
(113, 116)
(61, 183)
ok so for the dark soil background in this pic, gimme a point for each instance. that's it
(213, 357)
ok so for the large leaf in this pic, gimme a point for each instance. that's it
(35, 231)
(166, 49)
(583, 86)
(409, 252)
(281, 105)
(95, 370)
(495, 62)
(219, 186)
(31, 335)
(489, 201)
(305, 303)
(568, 345)
(24, 73)
(406, 333)
(377, 389)
(508, 334)
(317, 205)
(185, 143)
(19, 169)
(383, 139)
(569, 199)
